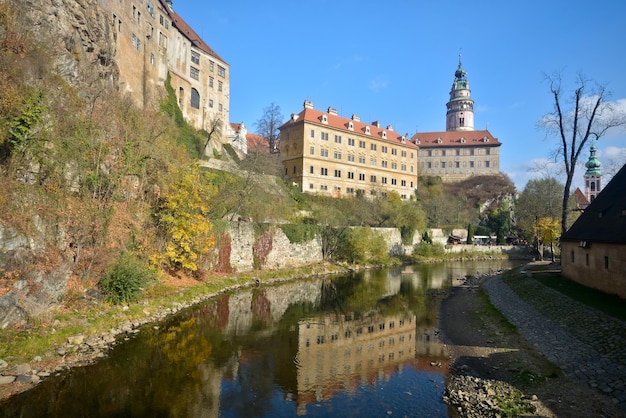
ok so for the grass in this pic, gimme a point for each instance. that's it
(609, 304)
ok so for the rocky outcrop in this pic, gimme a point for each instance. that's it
(34, 272)
(83, 45)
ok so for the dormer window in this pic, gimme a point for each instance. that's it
(367, 130)
(325, 119)
(384, 134)
(485, 139)
(439, 140)
(351, 126)
(462, 140)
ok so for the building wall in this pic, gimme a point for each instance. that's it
(338, 162)
(458, 163)
(148, 46)
(601, 266)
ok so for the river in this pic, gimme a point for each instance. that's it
(364, 344)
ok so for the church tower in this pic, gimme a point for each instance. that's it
(460, 115)
(593, 175)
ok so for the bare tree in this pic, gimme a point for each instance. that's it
(268, 126)
(587, 114)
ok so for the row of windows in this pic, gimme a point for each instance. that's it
(454, 164)
(195, 99)
(337, 155)
(337, 173)
(456, 152)
(352, 142)
(606, 260)
(321, 339)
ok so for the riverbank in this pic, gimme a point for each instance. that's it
(83, 330)
(496, 370)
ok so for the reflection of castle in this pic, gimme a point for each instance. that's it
(337, 353)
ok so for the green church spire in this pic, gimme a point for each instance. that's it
(593, 165)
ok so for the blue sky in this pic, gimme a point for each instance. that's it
(394, 62)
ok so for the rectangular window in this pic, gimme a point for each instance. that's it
(487, 164)
(312, 151)
(324, 171)
(443, 164)
(323, 187)
(337, 173)
(324, 153)
(351, 142)
(210, 102)
(403, 183)
(210, 81)
(372, 147)
(456, 164)
(362, 176)
(350, 175)
(361, 159)
(383, 164)
(219, 86)
(337, 155)
(394, 166)
(211, 65)
(383, 149)
(393, 182)
(221, 71)
(606, 262)
(373, 162)
(195, 57)
(403, 154)
(403, 167)
(194, 73)
(394, 151)
(471, 164)
(337, 139)
(384, 180)
(362, 144)
(136, 42)
(351, 158)
(373, 179)
(312, 133)
(311, 169)
(324, 136)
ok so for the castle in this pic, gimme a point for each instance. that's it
(152, 41)
(323, 152)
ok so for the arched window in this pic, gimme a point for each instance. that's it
(195, 99)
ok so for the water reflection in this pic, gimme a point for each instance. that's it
(362, 344)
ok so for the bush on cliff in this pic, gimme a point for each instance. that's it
(125, 279)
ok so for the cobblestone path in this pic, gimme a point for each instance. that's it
(587, 345)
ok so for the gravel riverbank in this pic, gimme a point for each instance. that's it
(540, 369)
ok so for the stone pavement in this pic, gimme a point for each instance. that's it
(587, 345)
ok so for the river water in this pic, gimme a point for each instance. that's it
(362, 345)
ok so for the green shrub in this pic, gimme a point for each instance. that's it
(363, 246)
(424, 249)
(300, 233)
(125, 279)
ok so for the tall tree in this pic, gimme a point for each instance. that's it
(587, 114)
(541, 198)
(268, 126)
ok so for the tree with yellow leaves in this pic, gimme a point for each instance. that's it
(183, 219)
(547, 230)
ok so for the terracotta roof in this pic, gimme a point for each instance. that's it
(257, 143)
(188, 32)
(455, 139)
(341, 123)
(581, 199)
(604, 220)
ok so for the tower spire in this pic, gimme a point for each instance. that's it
(460, 114)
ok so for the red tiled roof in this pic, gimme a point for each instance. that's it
(188, 32)
(257, 143)
(581, 199)
(454, 139)
(341, 123)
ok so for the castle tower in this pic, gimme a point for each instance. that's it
(593, 175)
(460, 115)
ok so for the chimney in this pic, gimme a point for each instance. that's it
(332, 111)
(376, 123)
(308, 104)
(356, 118)
(390, 127)
(294, 116)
